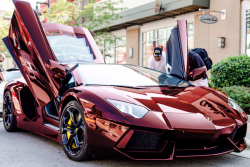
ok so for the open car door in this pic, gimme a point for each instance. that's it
(177, 51)
(30, 49)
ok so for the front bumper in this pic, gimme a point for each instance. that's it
(180, 143)
(110, 139)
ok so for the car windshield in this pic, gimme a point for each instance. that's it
(8, 76)
(70, 49)
(126, 75)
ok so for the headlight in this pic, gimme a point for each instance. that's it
(234, 105)
(128, 108)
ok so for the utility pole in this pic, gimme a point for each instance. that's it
(37, 10)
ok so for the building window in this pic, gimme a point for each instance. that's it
(148, 44)
(190, 29)
(248, 32)
(115, 52)
(159, 38)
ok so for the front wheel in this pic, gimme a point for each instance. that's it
(73, 132)
(9, 120)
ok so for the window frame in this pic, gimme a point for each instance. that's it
(156, 39)
(114, 46)
(247, 21)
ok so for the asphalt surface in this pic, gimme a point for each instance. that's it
(25, 149)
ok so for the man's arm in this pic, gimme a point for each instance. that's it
(167, 67)
(198, 63)
(2, 77)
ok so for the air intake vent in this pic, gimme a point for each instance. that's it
(239, 133)
(234, 133)
(144, 140)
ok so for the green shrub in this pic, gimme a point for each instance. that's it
(240, 94)
(231, 71)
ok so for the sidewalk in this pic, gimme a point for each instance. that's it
(246, 152)
(248, 127)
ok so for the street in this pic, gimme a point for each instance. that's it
(26, 149)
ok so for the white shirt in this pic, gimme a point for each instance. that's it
(158, 65)
(200, 82)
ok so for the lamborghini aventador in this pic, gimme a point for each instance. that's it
(69, 94)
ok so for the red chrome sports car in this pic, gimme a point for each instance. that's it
(111, 110)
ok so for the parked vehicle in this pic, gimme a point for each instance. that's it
(8, 77)
(13, 69)
(113, 110)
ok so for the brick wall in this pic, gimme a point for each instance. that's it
(206, 35)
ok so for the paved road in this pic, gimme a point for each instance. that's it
(25, 149)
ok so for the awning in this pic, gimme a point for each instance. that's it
(145, 13)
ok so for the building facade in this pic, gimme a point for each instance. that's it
(141, 29)
(4, 22)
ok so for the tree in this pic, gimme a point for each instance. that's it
(93, 15)
(4, 30)
(63, 12)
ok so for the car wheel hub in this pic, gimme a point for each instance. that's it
(7, 111)
(72, 131)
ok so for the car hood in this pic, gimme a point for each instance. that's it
(190, 107)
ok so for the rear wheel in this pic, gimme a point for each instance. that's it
(9, 119)
(73, 133)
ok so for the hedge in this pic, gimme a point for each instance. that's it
(232, 71)
(240, 94)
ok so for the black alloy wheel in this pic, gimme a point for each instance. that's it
(73, 133)
(9, 120)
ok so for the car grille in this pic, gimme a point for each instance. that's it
(144, 140)
(196, 139)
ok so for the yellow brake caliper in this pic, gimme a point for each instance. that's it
(68, 133)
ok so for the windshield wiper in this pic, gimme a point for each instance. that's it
(72, 69)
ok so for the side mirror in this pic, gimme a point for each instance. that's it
(56, 68)
(198, 73)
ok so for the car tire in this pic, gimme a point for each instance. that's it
(73, 132)
(9, 118)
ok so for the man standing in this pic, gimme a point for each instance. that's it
(158, 60)
(195, 61)
(2, 57)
